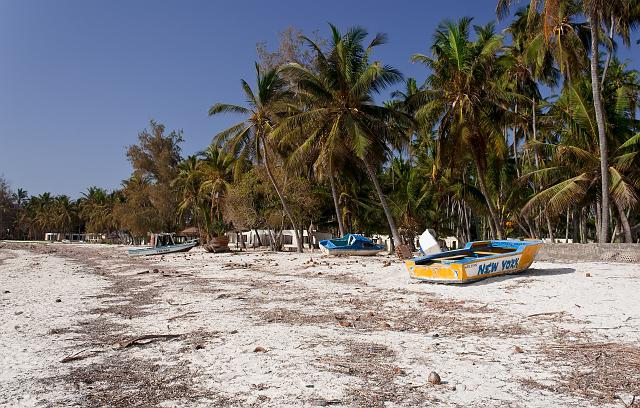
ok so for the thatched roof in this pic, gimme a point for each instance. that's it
(190, 232)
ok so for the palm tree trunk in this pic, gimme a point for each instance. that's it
(584, 233)
(610, 53)
(383, 203)
(272, 239)
(492, 208)
(534, 127)
(492, 227)
(336, 203)
(598, 219)
(624, 220)
(258, 237)
(549, 227)
(602, 136)
(522, 228)
(515, 143)
(575, 221)
(285, 206)
(467, 223)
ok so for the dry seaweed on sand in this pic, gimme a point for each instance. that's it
(136, 382)
(374, 366)
(602, 371)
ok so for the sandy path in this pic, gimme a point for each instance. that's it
(274, 330)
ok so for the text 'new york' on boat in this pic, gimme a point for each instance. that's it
(477, 260)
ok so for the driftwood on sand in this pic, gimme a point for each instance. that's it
(146, 339)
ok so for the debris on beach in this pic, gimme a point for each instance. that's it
(184, 315)
(145, 339)
(434, 378)
(80, 355)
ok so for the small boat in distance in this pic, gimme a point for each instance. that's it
(477, 260)
(163, 244)
(350, 244)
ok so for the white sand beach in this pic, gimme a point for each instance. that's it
(286, 329)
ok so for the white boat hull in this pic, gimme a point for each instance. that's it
(163, 250)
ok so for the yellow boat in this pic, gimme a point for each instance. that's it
(477, 260)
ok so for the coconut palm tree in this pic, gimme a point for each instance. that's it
(338, 117)
(96, 209)
(216, 169)
(64, 214)
(574, 171)
(20, 196)
(599, 13)
(189, 182)
(464, 98)
(249, 139)
(41, 209)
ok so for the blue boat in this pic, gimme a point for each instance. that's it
(164, 244)
(350, 244)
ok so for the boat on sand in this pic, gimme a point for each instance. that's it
(477, 260)
(350, 244)
(163, 244)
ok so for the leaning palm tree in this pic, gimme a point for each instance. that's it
(337, 116)
(464, 98)
(249, 139)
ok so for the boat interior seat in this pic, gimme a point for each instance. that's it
(452, 258)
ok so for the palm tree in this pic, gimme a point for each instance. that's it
(96, 208)
(409, 192)
(339, 117)
(20, 196)
(574, 171)
(465, 97)
(250, 138)
(63, 213)
(42, 211)
(189, 182)
(216, 169)
(599, 13)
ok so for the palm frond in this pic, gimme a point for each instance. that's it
(227, 108)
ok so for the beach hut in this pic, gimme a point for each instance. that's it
(309, 240)
(187, 234)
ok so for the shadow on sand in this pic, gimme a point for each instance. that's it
(528, 273)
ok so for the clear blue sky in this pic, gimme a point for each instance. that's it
(79, 79)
